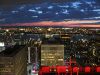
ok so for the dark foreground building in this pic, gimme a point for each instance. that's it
(13, 61)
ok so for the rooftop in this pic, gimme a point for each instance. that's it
(11, 51)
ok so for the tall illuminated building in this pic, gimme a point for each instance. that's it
(52, 55)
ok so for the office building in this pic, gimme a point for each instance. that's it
(13, 61)
(52, 55)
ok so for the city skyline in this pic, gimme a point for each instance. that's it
(49, 37)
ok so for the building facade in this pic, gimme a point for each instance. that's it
(52, 55)
(13, 61)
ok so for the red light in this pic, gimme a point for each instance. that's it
(75, 69)
(80, 69)
(61, 69)
(40, 72)
(87, 69)
(69, 68)
(98, 69)
(45, 69)
(52, 68)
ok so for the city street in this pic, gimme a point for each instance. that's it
(30, 71)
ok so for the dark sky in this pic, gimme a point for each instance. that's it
(19, 11)
(11, 2)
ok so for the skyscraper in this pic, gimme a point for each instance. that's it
(52, 54)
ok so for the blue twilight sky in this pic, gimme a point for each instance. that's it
(50, 11)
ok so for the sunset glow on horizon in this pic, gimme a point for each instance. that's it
(77, 23)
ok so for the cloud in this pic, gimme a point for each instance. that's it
(76, 4)
(63, 6)
(97, 10)
(65, 11)
(35, 16)
(50, 7)
(40, 12)
(32, 10)
(14, 11)
(82, 10)
(37, 8)
(2, 20)
(22, 7)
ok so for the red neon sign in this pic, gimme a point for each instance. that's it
(45, 69)
(87, 69)
(98, 69)
(61, 69)
(75, 69)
